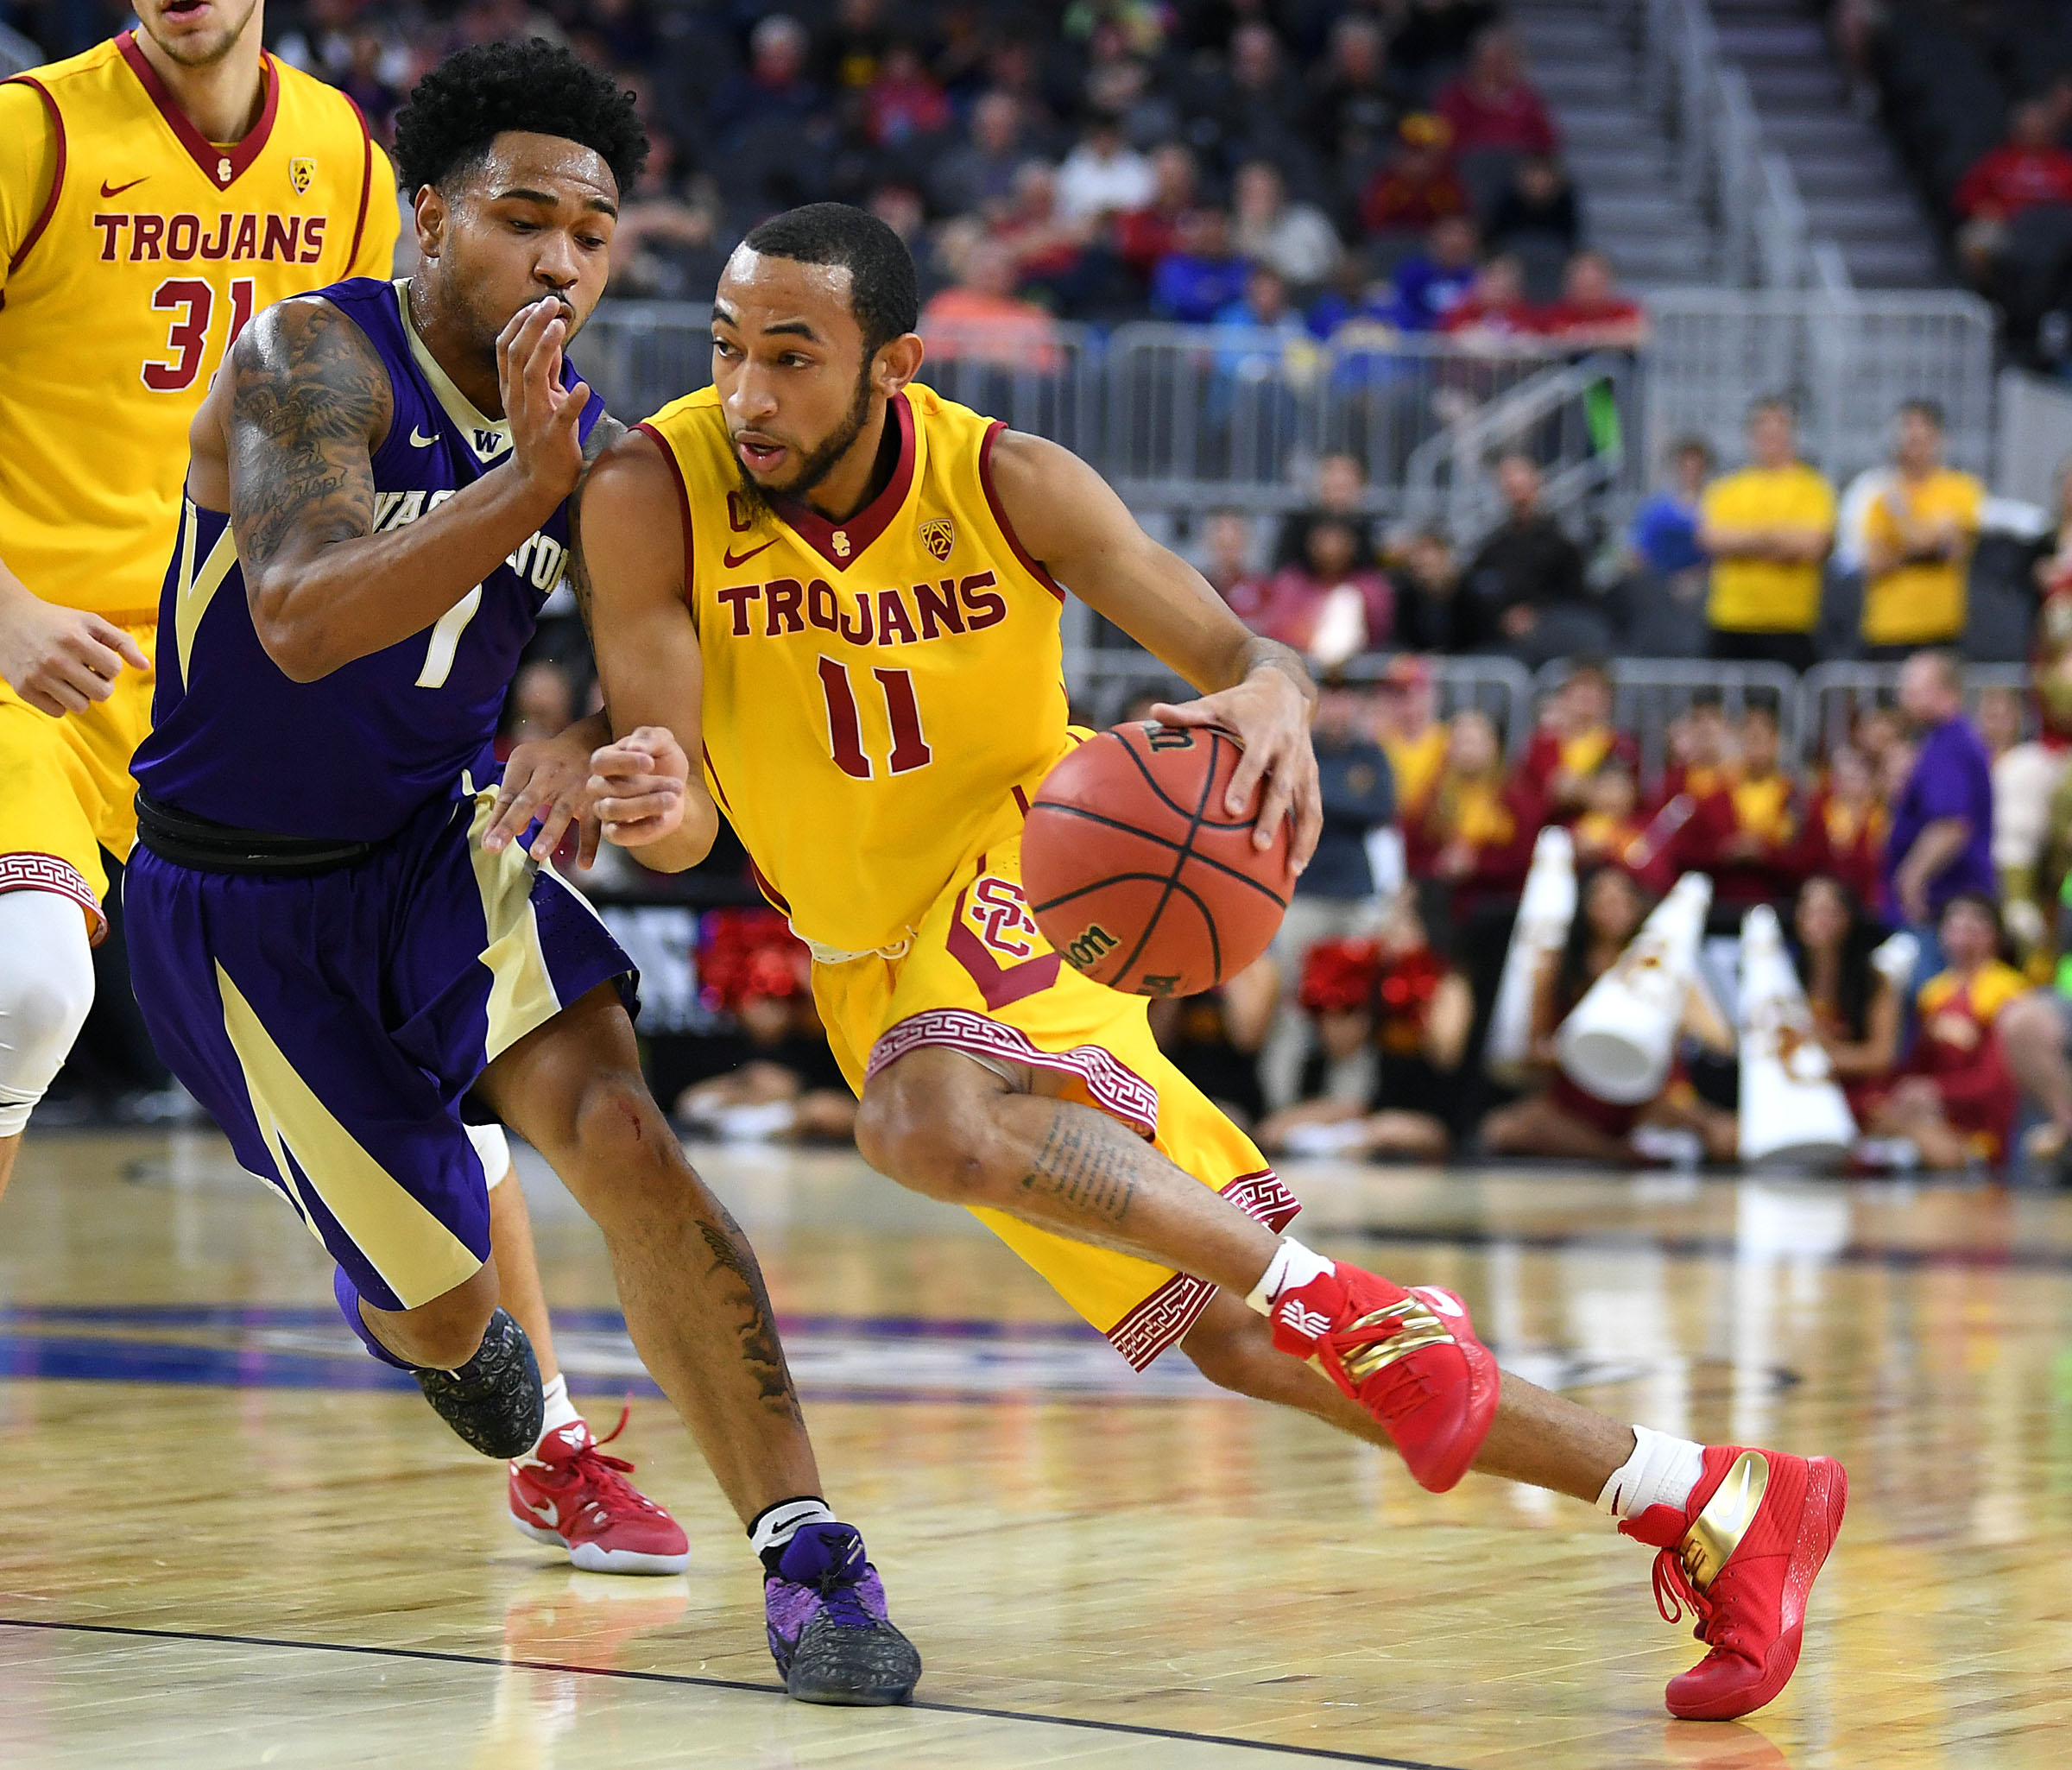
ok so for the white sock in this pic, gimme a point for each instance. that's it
(1662, 1471)
(775, 1526)
(560, 1412)
(1291, 1264)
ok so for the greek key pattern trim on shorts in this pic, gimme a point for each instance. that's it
(1159, 1321)
(1117, 1089)
(46, 872)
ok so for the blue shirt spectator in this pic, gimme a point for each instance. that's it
(1196, 283)
(1941, 835)
(1663, 536)
(1431, 282)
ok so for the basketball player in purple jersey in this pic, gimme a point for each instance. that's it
(337, 945)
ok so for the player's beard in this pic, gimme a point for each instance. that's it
(819, 464)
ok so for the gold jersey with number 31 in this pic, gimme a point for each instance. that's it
(132, 251)
(881, 695)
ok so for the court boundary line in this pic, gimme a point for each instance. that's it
(1084, 1723)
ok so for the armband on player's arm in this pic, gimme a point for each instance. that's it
(626, 566)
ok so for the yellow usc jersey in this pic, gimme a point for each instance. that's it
(880, 696)
(131, 253)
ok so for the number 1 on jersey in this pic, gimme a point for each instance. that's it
(845, 731)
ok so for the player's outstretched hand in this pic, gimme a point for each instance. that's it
(547, 779)
(1270, 717)
(61, 661)
(639, 787)
(546, 417)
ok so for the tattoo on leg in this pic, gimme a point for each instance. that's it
(1081, 1164)
(760, 1348)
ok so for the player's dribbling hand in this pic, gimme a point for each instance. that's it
(547, 779)
(546, 417)
(639, 787)
(1269, 715)
(61, 661)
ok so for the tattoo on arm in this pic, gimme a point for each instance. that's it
(309, 397)
(760, 1348)
(1084, 1165)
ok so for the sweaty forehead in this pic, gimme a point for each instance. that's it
(762, 291)
(521, 160)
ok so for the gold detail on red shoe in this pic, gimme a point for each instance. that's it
(1717, 1531)
(1420, 1327)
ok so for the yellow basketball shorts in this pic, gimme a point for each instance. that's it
(65, 788)
(978, 978)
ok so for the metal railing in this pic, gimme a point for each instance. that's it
(1649, 694)
(1831, 696)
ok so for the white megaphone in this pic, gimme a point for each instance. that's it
(1543, 914)
(1619, 1042)
(1793, 1114)
(1895, 958)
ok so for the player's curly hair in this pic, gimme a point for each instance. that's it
(473, 96)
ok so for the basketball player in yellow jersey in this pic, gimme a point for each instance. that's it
(843, 592)
(156, 193)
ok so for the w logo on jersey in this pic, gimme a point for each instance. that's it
(490, 444)
(301, 174)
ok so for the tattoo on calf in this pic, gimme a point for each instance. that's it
(1084, 1164)
(760, 1349)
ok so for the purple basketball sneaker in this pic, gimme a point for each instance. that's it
(829, 1632)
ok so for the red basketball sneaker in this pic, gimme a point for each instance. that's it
(1741, 1556)
(570, 1494)
(1408, 1357)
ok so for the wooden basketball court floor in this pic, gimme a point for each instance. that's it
(229, 1541)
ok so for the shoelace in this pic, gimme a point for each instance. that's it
(597, 1470)
(837, 1589)
(1674, 1594)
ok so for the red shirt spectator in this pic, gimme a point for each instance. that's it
(1417, 187)
(1330, 606)
(1574, 739)
(1147, 235)
(1496, 305)
(1478, 824)
(902, 102)
(2027, 169)
(1591, 311)
(1845, 827)
(1491, 105)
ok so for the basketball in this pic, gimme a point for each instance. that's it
(1136, 873)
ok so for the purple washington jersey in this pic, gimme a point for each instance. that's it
(351, 755)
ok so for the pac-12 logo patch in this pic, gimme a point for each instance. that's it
(938, 535)
(301, 174)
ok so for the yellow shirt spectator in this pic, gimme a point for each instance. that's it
(1920, 601)
(1766, 595)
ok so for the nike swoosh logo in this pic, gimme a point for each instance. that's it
(735, 559)
(117, 190)
(421, 442)
(546, 1512)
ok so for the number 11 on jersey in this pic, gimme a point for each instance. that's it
(845, 731)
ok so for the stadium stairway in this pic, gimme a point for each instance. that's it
(1619, 155)
(1855, 191)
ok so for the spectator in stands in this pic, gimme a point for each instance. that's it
(1203, 274)
(1353, 115)
(1416, 186)
(1526, 564)
(2025, 171)
(1941, 843)
(1956, 1098)
(1846, 827)
(1574, 737)
(1293, 238)
(1049, 247)
(1496, 309)
(1701, 750)
(1434, 38)
(1538, 204)
(1415, 742)
(1226, 558)
(902, 106)
(1261, 105)
(978, 178)
(1479, 824)
(1855, 1009)
(1214, 1039)
(666, 243)
(1334, 895)
(979, 317)
(1612, 827)
(1436, 278)
(1756, 855)
(1431, 613)
(1330, 605)
(1103, 176)
(1336, 494)
(1145, 234)
(1491, 105)
(1565, 1120)
(1766, 530)
(778, 94)
(2027, 775)
(1592, 314)
(1663, 538)
(1918, 537)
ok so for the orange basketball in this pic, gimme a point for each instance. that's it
(1137, 875)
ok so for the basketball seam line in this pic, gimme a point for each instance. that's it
(1102, 818)
(1152, 780)
(1151, 922)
